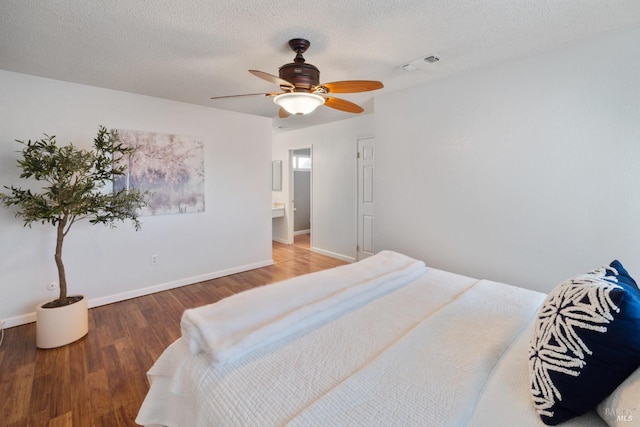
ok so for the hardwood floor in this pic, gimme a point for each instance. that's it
(101, 380)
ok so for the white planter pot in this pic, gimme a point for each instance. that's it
(60, 326)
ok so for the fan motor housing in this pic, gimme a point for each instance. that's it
(302, 75)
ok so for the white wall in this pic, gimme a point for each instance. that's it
(526, 172)
(333, 216)
(233, 234)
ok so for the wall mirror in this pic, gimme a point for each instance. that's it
(276, 175)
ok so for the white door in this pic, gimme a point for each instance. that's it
(366, 158)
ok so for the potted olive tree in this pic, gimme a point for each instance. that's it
(73, 188)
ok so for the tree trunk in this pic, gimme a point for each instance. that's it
(62, 278)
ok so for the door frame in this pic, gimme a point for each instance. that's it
(290, 200)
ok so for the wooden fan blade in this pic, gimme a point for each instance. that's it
(246, 94)
(341, 104)
(283, 114)
(351, 86)
(271, 78)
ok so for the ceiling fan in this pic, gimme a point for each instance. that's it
(301, 89)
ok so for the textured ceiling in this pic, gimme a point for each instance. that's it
(191, 50)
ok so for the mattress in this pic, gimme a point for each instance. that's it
(442, 350)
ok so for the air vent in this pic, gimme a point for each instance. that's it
(420, 64)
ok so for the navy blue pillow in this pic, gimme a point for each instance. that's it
(586, 341)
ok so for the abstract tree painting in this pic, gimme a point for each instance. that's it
(169, 167)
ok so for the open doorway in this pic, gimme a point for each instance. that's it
(301, 196)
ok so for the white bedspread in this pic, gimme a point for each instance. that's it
(445, 350)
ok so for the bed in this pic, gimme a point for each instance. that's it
(386, 341)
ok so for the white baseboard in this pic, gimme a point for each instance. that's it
(19, 320)
(110, 299)
(279, 240)
(333, 255)
(295, 233)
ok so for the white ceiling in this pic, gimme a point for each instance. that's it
(191, 50)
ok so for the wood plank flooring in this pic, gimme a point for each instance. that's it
(101, 380)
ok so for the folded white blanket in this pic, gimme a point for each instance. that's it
(237, 325)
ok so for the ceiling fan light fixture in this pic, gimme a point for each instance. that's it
(299, 102)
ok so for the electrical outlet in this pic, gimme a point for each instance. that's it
(154, 259)
(52, 286)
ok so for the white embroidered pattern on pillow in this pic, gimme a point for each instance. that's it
(582, 302)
